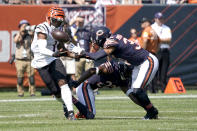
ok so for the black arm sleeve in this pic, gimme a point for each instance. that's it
(97, 55)
(87, 74)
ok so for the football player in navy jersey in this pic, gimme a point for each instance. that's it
(110, 74)
(145, 64)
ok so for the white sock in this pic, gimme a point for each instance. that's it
(67, 96)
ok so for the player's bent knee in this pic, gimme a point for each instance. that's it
(134, 91)
(137, 91)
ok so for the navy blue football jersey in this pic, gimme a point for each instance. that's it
(118, 74)
(127, 50)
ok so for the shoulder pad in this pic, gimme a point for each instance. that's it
(42, 28)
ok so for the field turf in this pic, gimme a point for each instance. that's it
(115, 112)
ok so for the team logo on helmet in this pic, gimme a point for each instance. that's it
(99, 32)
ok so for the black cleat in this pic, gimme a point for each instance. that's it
(90, 115)
(71, 115)
(65, 111)
(151, 114)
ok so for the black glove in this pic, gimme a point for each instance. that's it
(81, 55)
(73, 83)
(58, 54)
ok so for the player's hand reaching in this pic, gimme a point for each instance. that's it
(59, 53)
(82, 55)
(75, 49)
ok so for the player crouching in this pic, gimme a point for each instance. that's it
(110, 74)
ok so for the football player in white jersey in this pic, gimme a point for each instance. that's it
(49, 67)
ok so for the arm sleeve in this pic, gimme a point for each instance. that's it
(41, 29)
(97, 55)
(87, 74)
(42, 44)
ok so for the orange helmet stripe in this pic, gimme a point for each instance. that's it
(56, 12)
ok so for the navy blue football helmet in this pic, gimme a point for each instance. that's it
(100, 34)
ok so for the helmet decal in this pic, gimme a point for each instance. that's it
(99, 32)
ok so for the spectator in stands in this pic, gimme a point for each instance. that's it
(134, 36)
(82, 36)
(131, 2)
(192, 1)
(80, 2)
(147, 2)
(5, 1)
(23, 40)
(175, 1)
(165, 36)
(108, 2)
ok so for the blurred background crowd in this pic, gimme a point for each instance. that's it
(106, 2)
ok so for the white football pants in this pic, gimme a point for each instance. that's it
(143, 74)
(86, 96)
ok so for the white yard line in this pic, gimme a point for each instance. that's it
(98, 98)
(175, 129)
(130, 117)
(137, 111)
(20, 115)
(97, 117)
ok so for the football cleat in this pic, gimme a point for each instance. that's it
(151, 114)
(79, 115)
(65, 111)
(71, 115)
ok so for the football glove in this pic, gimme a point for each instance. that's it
(58, 54)
(76, 49)
(73, 83)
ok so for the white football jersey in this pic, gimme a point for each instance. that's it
(40, 60)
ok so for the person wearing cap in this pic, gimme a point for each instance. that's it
(150, 42)
(165, 36)
(23, 57)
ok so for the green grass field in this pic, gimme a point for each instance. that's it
(115, 112)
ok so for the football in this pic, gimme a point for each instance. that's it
(60, 36)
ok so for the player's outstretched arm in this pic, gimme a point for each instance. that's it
(90, 72)
(99, 54)
(87, 74)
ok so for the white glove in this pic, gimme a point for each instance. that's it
(76, 49)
